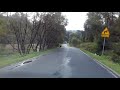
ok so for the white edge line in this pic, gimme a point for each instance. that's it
(107, 68)
(104, 66)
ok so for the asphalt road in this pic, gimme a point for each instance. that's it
(64, 62)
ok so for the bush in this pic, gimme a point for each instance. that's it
(100, 45)
(89, 46)
(115, 58)
(116, 48)
(75, 42)
(108, 52)
(116, 51)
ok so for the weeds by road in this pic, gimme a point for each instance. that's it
(16, 57)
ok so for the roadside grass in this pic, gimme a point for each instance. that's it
(6, 60)
(105, 60)
(90, 47)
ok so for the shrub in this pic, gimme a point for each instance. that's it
(89, 46)
(116, 51)
(92, 48)
(115, 58)
(75, 42)
(116, 48)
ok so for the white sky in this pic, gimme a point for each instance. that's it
(76, 20)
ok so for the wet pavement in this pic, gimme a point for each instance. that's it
(64, 62)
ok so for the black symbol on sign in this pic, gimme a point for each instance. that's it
(105, 32)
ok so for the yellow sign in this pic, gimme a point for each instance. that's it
(105, 33)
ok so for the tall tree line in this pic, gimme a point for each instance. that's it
(97, 21)
(94, 25)
(44, 30)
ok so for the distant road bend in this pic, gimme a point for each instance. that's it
(64, 62)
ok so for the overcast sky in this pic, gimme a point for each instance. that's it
(76, 20)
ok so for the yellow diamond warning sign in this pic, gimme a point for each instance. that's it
(105, 33)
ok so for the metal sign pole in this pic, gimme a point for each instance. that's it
(103, 46)
(105, 33)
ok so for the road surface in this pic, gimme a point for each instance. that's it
(64, 62)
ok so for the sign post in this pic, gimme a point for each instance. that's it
(105, 34)
(103, 46)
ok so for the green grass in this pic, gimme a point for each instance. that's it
(16, 57)
(105, 60)
(89, 46)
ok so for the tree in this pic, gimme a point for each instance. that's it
(19, 25)
(3, 29)
(93, 26)
(96, 23)
(44, 30)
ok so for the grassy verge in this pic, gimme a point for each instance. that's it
(105, 60)
(16, 57)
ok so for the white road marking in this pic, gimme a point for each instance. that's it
(107, 68)
(104, 66)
